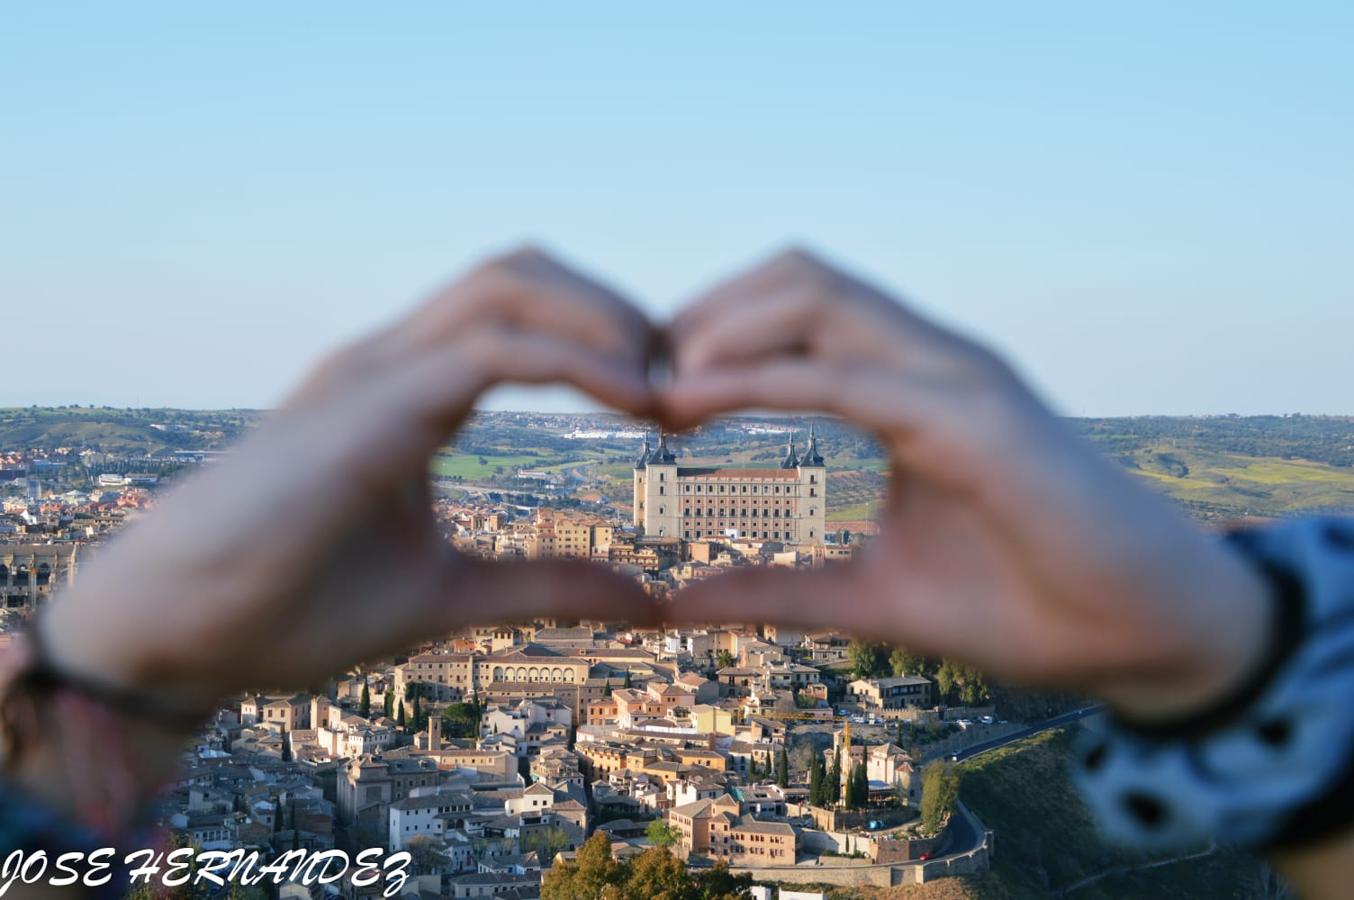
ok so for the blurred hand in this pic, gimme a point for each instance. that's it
(312, 545)
(1006, 541)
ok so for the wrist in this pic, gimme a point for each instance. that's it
(130, 674)
(1218, 658)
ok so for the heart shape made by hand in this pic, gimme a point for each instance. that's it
(1005, 541)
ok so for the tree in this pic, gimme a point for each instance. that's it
(904, 662)
(816, 774)
(858, 788)
(864, 659)
(418, 720)
(724, 660)
(939, 793)
(833, 787)
(545, 841)
(588, 876)
(973, 692)
(657, 873)
(958, 682)
(425, 858)
(900, 792)
(718, 883)
(461, 720)
(783, 768)
(946, 676)
(661, 834)
(389, 703)
(364, 705)
(399, 716)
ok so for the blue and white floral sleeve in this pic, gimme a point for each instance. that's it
(1273, 765)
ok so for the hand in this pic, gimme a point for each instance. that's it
(312, 545)
(1005, 542)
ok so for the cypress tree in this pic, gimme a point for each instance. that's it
(857, 788)
(783, 769)
(816, 780)
(399, 718)
(364, 705)
(832, 792)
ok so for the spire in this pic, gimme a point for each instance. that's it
(643, 454)
(811, 456)
(791, 460)
(662, 455)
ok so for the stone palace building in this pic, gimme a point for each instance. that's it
(787, 503)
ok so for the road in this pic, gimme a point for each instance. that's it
(961, 836)
(1067, 718)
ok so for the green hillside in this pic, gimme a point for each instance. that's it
(1046, 842)
(1235, 484)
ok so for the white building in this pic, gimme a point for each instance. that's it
(426, 815)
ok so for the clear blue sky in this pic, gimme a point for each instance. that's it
(1148, 205)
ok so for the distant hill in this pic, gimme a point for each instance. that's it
(121, 431)
(1229, 466)
(1218, 467)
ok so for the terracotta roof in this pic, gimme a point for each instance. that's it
(713, 472)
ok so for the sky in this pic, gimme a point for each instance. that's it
(1148, 206)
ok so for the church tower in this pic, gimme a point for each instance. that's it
(812, 493)
(662, 509)
(641, 464)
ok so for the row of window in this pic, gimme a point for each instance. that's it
(21, 576)
(734, 488)
(710, 532)
(742, 513)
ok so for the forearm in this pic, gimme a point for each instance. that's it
(90, 764)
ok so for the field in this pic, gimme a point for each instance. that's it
(1236, 484)
(473, 466)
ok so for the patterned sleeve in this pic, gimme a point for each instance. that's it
(1272, 765)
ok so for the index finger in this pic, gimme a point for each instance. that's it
(531, 291)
